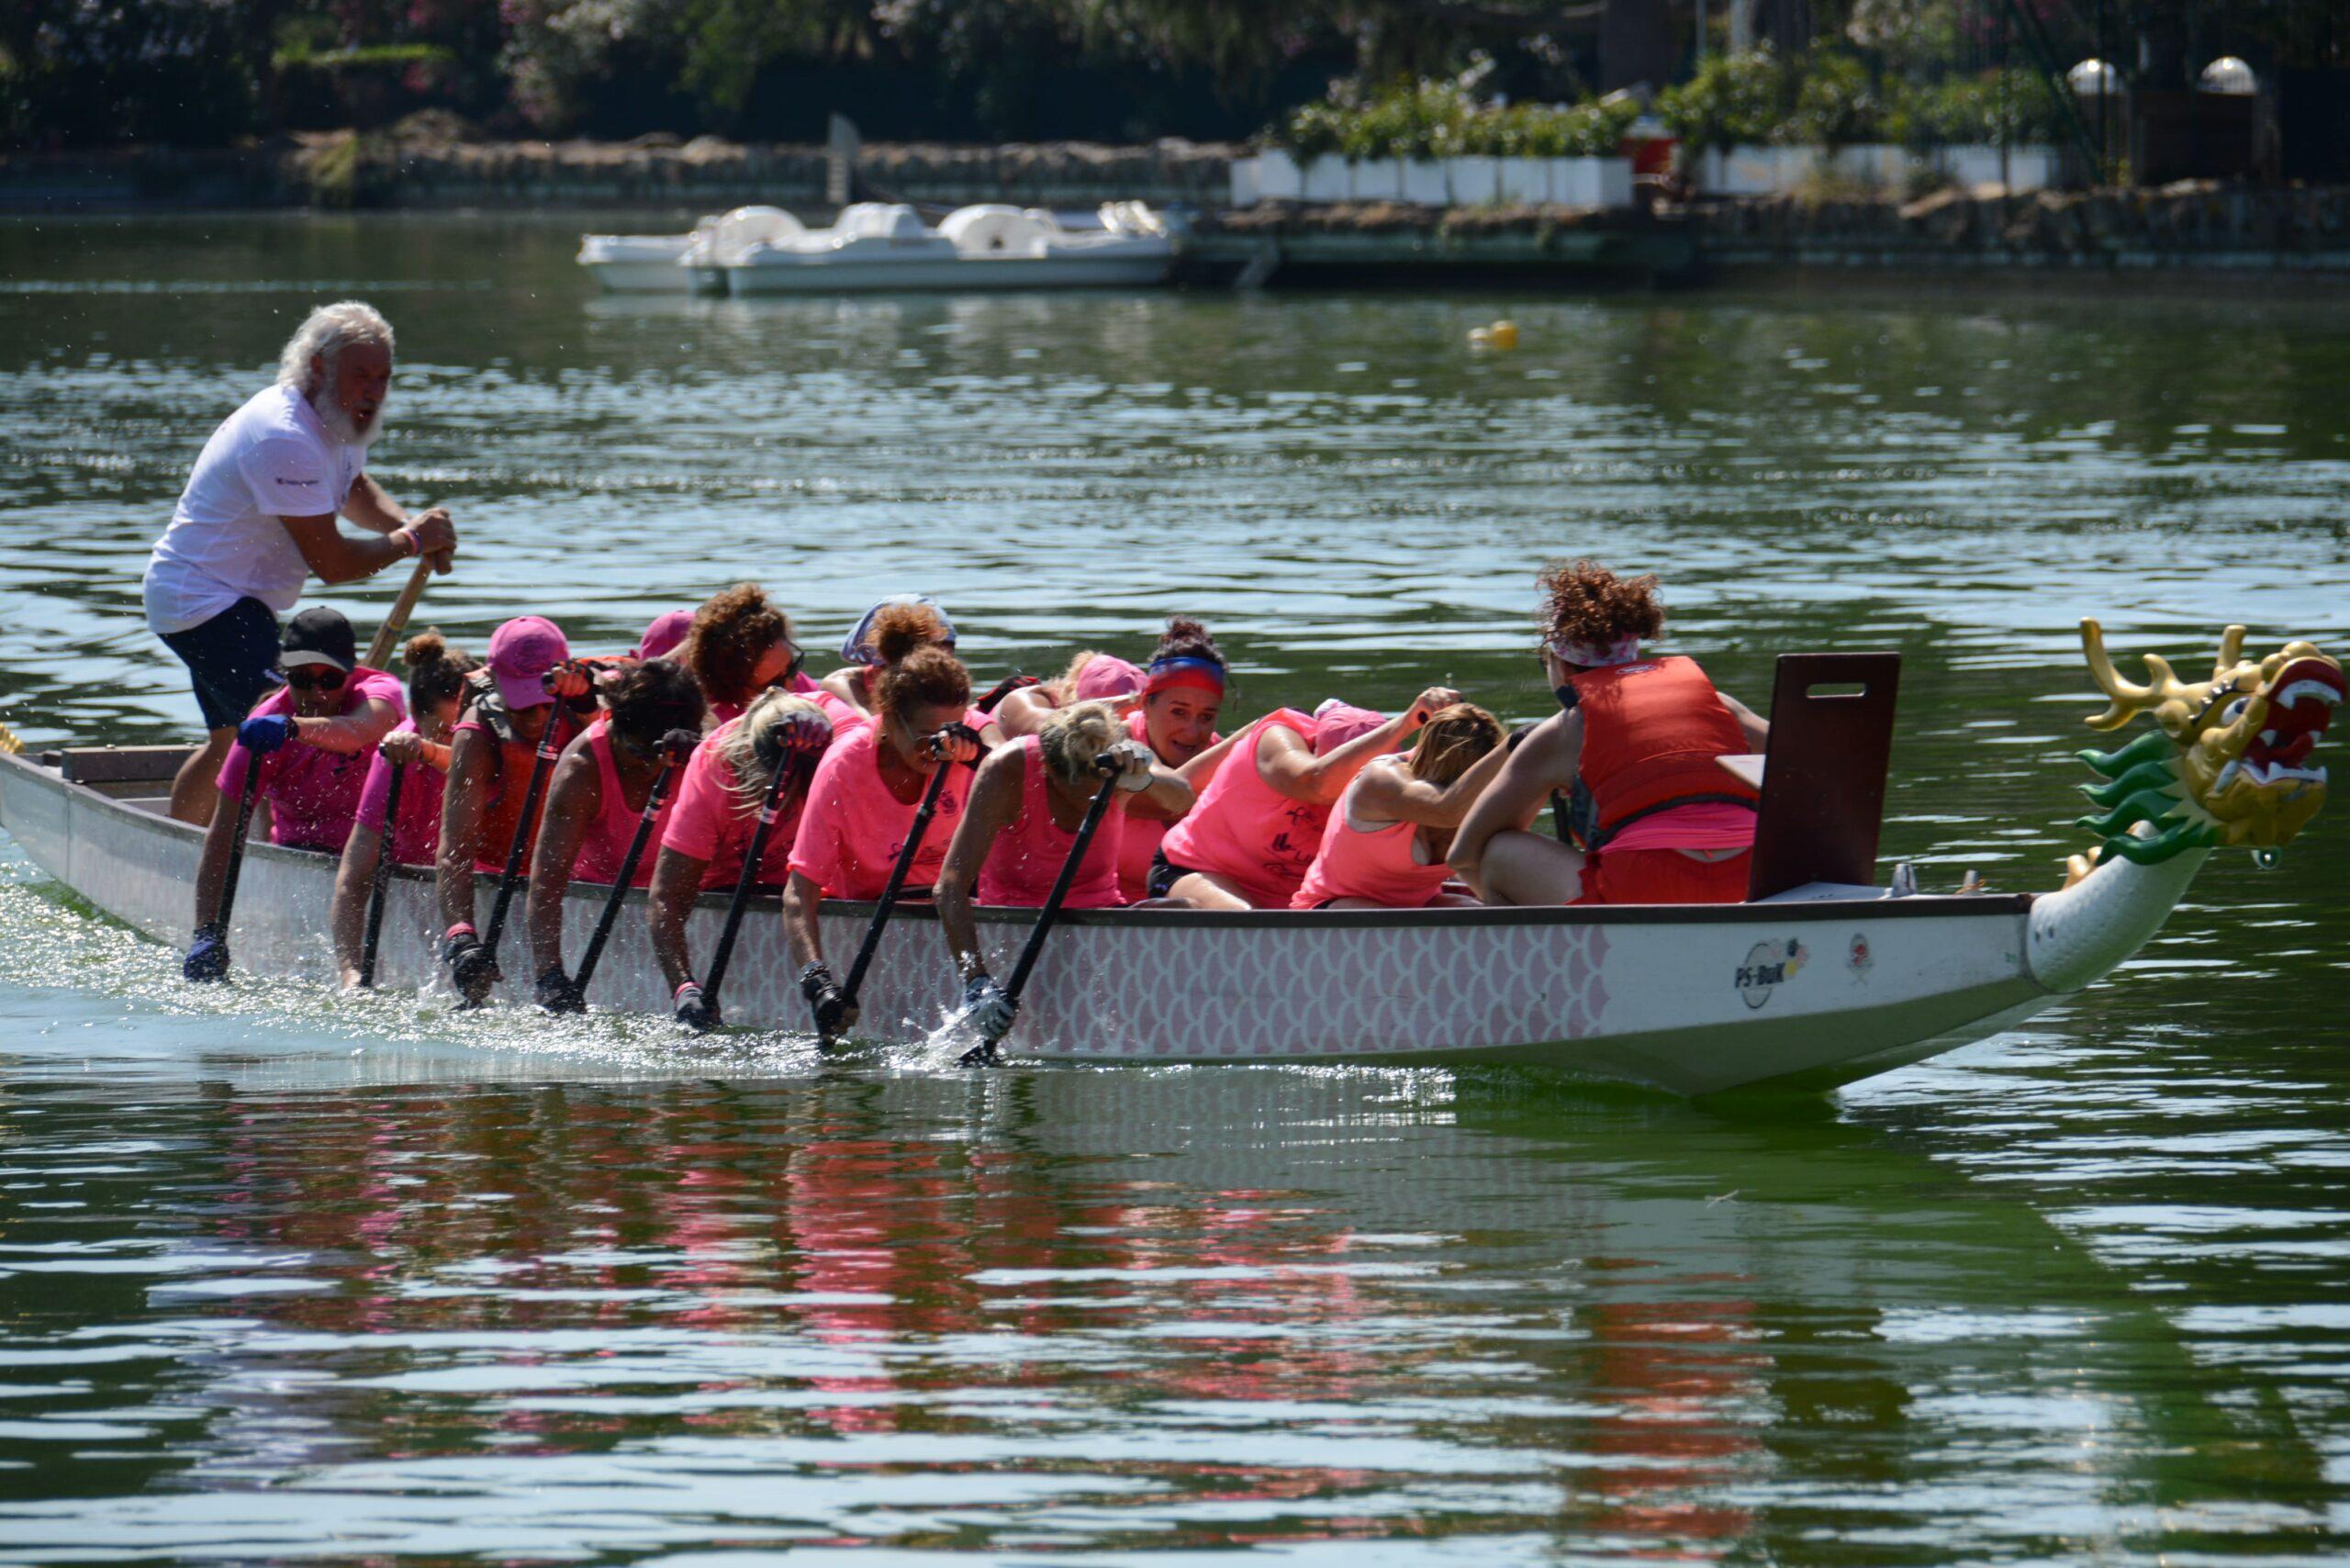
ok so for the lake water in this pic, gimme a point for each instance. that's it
(285, 1277)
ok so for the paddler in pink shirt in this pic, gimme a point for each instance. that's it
(312, 740)
(1019, 829)
(1259, 823)
(436, 689)
(740, 644)
(862, 803)
(719, 802)
(597, 800)
(1385, 845)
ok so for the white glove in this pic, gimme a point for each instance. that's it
(987, 1008)
(1134, 760)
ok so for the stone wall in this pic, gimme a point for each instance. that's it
(347, 170)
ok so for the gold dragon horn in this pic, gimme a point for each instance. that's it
(2126, 701)
(2231, 653)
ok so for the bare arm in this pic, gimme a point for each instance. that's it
(842, 684)
(1286, 761)
(1756, 729)
(212, 868)
(574, 798)
(368, 506)
(802, 894)
(1023, 713)
(473, 766)
(1393, 795)
(994, 806)
(349, 733)
(354, 880)
(676, 883)
(1194, 774)
(1545, 761)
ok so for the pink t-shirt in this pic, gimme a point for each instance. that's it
(313, 795)
(415, 834)
(714, 821)
(1143, 835)
(1027, 856)
(605, 845)
(1248, 832)
(1378, 863)
(853, 828)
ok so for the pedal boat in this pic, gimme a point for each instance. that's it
(1819, 984)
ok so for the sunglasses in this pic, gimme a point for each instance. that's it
(791, 670)
(314, 677)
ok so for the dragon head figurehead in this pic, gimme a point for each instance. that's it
(2230, 762)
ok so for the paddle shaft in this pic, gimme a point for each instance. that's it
(381, 882)
(396, 622)
(645, 823)
(748, 878)
(541, 763)
(237, 845)
(1094, 813)
(923, 814)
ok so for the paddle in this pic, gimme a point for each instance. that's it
(748, 878)
(673, 748)
(906, 853)
(397, 620)
(381, 882)
(236, 863)
(984, 1053)
(541, 763)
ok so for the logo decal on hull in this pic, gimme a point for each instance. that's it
(1859, 959)
(1769, 965)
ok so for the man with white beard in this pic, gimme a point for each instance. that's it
(258, 518)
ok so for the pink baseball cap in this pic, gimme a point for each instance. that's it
(521, 652)
(1337, 722)
(661, 638)
(1106, 676)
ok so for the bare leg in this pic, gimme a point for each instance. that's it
(354, 882)
(1528, 869)
(1205, 890)
(1442, 900)
(196, 788)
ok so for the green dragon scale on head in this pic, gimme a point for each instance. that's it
(2229, 763)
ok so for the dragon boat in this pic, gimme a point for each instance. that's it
(1821, 978)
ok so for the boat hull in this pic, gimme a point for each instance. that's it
(1692, 998)
(778, 274)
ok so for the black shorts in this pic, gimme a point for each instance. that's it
(1163, 873)
(229, 659)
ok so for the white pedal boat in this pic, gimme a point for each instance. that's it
(1822, 984)
(877, 247)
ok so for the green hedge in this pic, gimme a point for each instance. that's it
(1832, 99)
(1439, 119)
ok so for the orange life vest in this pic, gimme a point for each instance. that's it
(1650, 731)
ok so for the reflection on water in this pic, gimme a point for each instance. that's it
(287, 1277)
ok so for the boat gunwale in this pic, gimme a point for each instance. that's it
(1808, 911)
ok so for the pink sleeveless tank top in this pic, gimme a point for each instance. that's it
(606, 846)
(1028, 854)
(1244, 829)
(1377, 863)
(853, 828)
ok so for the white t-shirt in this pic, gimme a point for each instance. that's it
(270, 459)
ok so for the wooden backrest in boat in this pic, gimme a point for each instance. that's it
(1823, 782)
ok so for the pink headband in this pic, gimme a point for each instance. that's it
(1596, 656)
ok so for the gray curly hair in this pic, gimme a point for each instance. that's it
(323, 335)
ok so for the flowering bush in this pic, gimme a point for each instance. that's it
(1431, 118)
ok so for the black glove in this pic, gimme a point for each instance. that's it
(831, 1006)
(473, 968)
(207, 956)
(695, 1011)
(558, 993)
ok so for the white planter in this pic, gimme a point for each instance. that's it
(1750, 170)
(1523, 181)
(2029, 168)
(1327, 179)
(1267, 176)
(1476, 182)
(1376, 179)
(1428, 185)
(1590, 182)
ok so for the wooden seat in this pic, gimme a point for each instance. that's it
(1823, 782)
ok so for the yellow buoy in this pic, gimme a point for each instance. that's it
(1503, 335)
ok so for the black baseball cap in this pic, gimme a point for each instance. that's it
(319, 636)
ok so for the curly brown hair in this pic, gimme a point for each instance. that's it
(1186, 638)
(929, 677)
(899, 628)
(436, 671)
(731, 633)
(1583, 601)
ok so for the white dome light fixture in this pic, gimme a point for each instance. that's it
(2093, 78)
(2230, 75)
